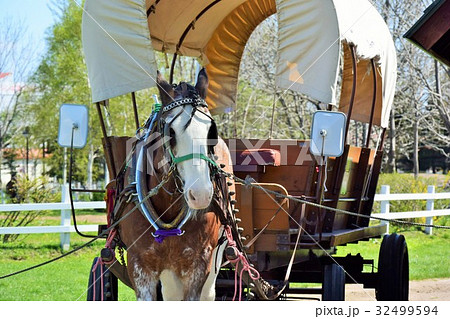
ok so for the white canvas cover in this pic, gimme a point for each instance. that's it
(117, 47)
(361, 24)
(119, 40)
(310, 36)
(308, 48)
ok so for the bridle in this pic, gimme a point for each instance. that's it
(165, 131)
(157, 123)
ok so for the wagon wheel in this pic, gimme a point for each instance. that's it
(333, 285)
(393, 269)
(96, 281)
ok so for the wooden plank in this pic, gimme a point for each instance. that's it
(265, 205)
(344, 236)
(361, 177)
(434, 27)
(244, 198)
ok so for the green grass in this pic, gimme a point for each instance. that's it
(67, 279)
(429, 256)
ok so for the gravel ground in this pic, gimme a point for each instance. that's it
(421, 290)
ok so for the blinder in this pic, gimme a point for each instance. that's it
(213, 137)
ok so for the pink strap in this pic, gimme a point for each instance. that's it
(94, 279)
(252, 272)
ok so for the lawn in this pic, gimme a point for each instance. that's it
(66, 279)
(429, 256)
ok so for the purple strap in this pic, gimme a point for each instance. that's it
(161, 234)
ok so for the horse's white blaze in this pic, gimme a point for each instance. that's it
(172, 287)
(198, 188)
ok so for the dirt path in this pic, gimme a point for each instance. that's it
(421, 290)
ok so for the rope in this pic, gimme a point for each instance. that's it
(153, 192)
(239, 257)
(248, 182)
(51, 260)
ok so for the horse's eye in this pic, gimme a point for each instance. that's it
(172, 137)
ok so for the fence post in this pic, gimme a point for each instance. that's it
(384, 205)
(430, 206)
(65, 217)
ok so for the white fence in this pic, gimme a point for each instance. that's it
(385, 197)
(66, 228)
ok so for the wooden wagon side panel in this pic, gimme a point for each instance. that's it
(256, 209)
(118, 146)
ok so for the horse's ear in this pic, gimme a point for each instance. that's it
(165, 90)
(202, 83)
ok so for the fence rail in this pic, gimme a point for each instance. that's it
(51, 206)
(66, 228)
(385, 197)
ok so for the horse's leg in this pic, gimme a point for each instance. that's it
(193, 281)
(145, 282)
(194, 275)
(172, 287)
(209, 288)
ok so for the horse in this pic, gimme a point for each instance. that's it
(185, 262)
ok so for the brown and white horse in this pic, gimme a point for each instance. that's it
(186, 265)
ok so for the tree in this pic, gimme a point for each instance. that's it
(62, 78)
(421, 114)
(259, 100)
(16, 64)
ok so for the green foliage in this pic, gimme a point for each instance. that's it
(62, 78)
(26, 191)
(406, 183)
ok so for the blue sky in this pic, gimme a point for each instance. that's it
(34, 14)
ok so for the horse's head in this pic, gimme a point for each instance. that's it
(191, 134)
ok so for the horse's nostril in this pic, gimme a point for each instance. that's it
(191, 196)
